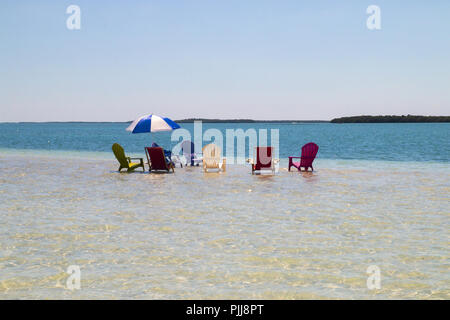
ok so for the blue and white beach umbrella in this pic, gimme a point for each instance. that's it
(152, 123)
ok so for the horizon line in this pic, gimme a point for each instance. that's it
(178, 120)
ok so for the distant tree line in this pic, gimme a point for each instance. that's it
(245, 121)
(384, 119)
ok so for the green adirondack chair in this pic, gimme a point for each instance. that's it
(125, 162)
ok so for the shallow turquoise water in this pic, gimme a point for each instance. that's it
(395, 142)
(223, 235)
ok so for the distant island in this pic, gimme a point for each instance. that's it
(204, 120)
(354, 119)
(395, 119)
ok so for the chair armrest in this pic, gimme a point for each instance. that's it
(223, 166)
(295, 157)
(136, 158)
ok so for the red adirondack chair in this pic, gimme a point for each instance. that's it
(157, 160)
(264, 160)
(309, 152)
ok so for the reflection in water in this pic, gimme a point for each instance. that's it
(223, 235)
(309, 175)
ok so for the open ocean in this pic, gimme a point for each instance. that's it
(380, 196)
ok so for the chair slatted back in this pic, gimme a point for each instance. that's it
(157, 158)
(309, 152)
(119, 153)
(263, 158)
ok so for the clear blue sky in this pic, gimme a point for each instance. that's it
(222, 59)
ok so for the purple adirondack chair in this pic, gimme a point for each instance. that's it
(309, 152)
